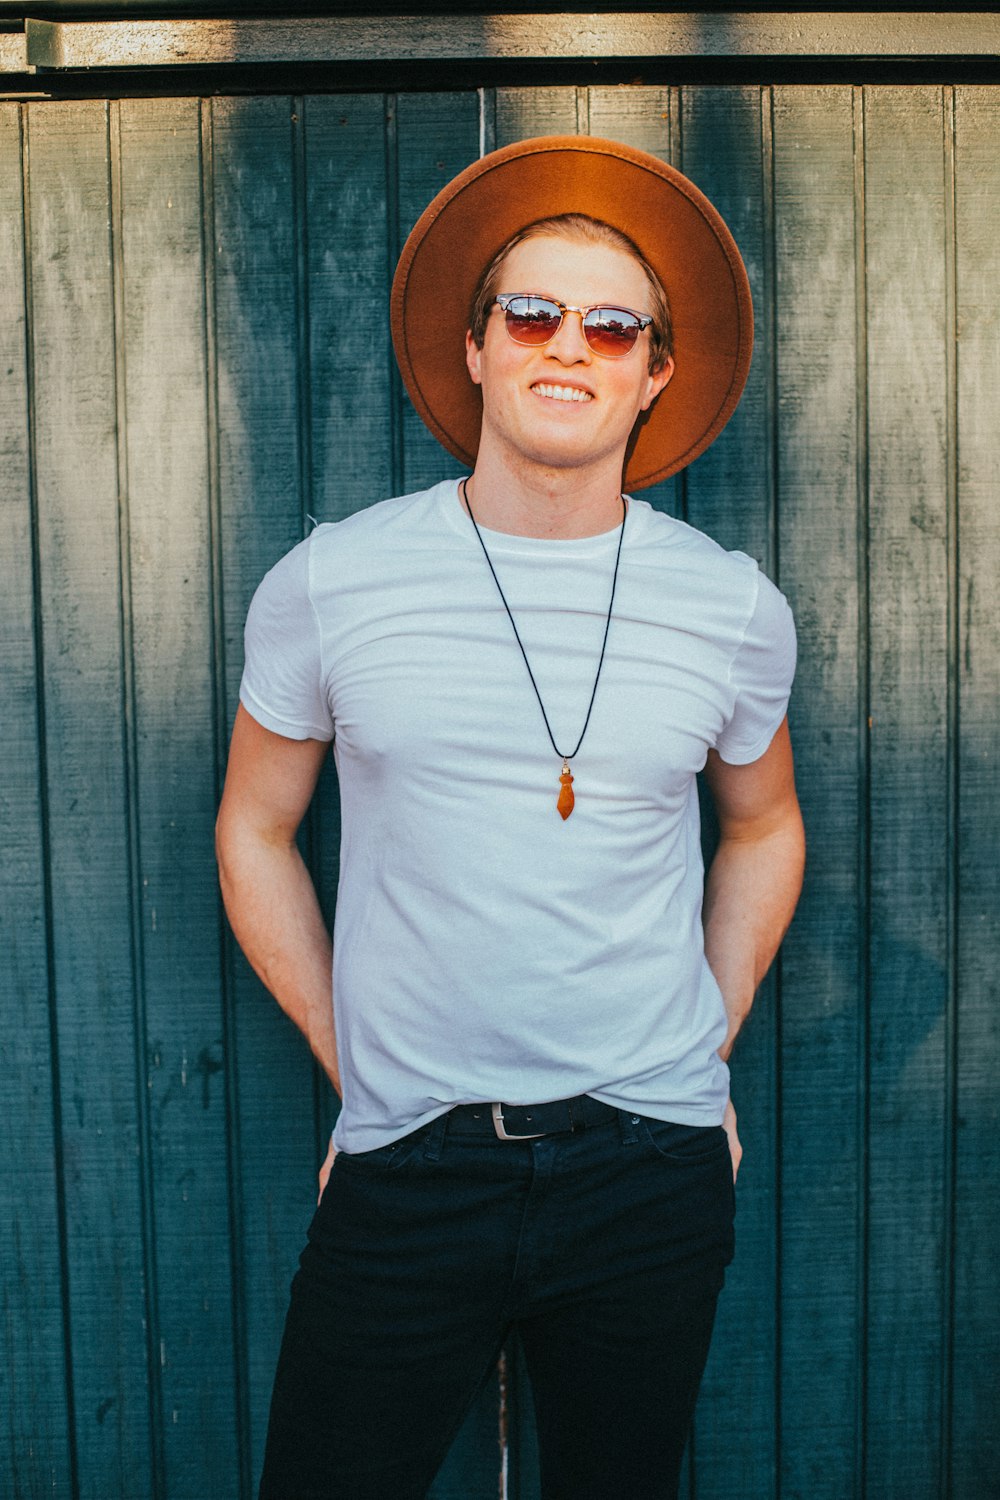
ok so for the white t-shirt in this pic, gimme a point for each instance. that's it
(484, 948)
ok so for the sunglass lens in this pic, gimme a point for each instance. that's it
(611, 331)
(532, 320)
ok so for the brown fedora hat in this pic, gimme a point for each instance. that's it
(681, 235)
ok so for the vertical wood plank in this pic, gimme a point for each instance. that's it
(349, 266)
(910, 863)
(35, 1438)
(256, 353)
(638, 115)
(822, 1020)
(171, 614)
(88, 792)
(349, 263)
(730, 494)
(524, 112)
(438, 135)
(975, 1437)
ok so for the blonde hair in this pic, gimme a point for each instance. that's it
(594, 232)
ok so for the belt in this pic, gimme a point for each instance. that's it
(526, 1122)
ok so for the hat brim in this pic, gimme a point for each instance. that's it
(678, 230)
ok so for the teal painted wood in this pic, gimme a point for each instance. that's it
(436, 136)
(349, 257)
(169, 606)
(36, 1441)
(349, 260)
(255, 354)
(346, 225)
(648, 118)
(520, 112)
(822, 1025)
(970, 1419)
(909, 1124)
(112, 1305)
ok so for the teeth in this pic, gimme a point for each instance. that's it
(562, 392)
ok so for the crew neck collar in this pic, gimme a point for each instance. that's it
(513, 541)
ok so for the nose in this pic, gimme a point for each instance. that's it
(569, 346)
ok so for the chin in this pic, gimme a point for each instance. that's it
(573, 455)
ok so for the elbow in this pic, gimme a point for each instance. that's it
(799, 846)
(227, 841)
(222, 850)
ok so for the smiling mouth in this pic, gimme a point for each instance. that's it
(561, 392)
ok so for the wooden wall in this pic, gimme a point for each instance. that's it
(195, 360)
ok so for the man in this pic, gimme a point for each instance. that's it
(522, 675)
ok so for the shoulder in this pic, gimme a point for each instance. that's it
(661, 541)
(354, 547)
(384, 521)
(667, 537)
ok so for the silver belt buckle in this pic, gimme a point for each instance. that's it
(498, 1125)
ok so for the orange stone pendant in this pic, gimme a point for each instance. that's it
(566, 801)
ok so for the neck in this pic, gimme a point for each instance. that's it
(547, 503)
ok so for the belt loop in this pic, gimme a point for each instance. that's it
(435, 1138)
(629, 1124)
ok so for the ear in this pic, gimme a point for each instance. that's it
(656, 380)
(473, 359)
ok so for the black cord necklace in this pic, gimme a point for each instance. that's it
(566, 800)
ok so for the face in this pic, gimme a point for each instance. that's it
(560, 405)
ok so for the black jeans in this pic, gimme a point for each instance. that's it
(604, 1247)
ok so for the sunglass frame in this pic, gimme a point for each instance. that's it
(504, 300)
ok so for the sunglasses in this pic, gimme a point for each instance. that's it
(609, 331)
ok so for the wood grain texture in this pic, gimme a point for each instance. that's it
(353, 410)
(975, 1438)
(169, 602)
(908, 1143)
(157, 43)
(438, 135)
(523, 112)
(256, 352)
(91, 877)
(35, 1436)
(349, 261)
(822, 1016)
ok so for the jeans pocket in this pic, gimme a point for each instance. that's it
(381, 1158)
(684, 1144)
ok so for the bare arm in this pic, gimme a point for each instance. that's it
(269, 896)
(753, 883)
(756, 876)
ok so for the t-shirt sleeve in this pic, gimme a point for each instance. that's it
(283, 681)
(761, 676)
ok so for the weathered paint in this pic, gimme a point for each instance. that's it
(458, 37)
(186, 389)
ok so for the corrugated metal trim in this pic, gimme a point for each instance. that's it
(137, 44)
